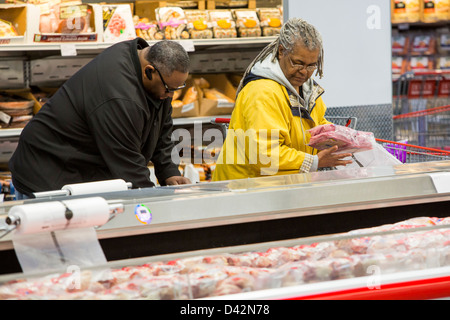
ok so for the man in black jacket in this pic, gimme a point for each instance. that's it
(106, 122)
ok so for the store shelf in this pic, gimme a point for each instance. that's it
(9, 133)
(101, 45)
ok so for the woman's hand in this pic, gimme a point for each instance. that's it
(176, 180)
(327, 158)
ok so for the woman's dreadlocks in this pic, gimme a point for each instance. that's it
(294, 32)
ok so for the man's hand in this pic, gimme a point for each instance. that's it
(327, 158)
(176, 180)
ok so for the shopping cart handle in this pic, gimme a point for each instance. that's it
(221, 120)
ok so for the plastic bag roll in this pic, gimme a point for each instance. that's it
(96, 187)
(59, 215)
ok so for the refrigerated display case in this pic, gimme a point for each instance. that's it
(230, 219)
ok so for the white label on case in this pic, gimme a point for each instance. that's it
(441, 181)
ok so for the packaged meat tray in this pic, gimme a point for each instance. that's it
(392, 248)
(223, 24)
(347, 139)
(198, 24)
(172, 22)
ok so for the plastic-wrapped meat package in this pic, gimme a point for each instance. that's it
(347, 139)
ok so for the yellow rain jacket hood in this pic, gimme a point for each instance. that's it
(268, 127)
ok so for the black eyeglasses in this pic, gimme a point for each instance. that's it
(169, 90)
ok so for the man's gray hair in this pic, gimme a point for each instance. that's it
(168, 56)
(294, 32)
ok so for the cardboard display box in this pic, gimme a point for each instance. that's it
(185, 110)
(219, 100)
(18, 16)
(77, 23)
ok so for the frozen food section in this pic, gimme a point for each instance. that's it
(340, 233)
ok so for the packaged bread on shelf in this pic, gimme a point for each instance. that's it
(443, 10)
(185, 103)
(172, 22)
(216, 94)
(198, 24)
(271, 21)
(147, 29)
(432, 10)
(15, 111)
(223, 24)
(405, 11)
(247, 23)
(202, 83)
(221, 98)
(7, 29)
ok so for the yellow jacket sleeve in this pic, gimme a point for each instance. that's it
(260, 138)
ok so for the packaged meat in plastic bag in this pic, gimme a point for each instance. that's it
(347, 139)
(172, 21)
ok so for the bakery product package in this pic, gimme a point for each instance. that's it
(271, 21)
(172, 22)
(247, 23)
(223, 23)
(405, 11)
(198, 24)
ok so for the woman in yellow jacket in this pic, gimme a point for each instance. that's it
(277, 102)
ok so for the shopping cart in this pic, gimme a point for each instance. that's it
(417, 91)
(426, 128)
(404, 152)
(408, 153)
(343, 121)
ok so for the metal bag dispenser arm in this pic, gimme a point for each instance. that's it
(60, 215)
(87, 188)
